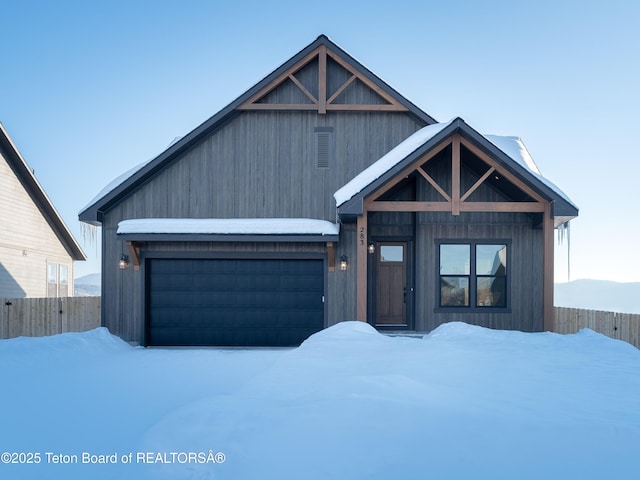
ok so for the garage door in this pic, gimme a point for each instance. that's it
(232, 302)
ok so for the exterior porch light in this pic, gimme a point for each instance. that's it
(371, 248)
(124, 262)
(343, 263)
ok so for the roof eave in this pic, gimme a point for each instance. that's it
(559, 203)
(560, 206)
(91, 213)
(39, 196)
(355, 205)
(218, 237)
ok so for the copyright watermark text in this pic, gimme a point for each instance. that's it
(89, 458)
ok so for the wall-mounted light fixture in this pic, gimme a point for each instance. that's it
(343, 263)
(124, 262)
(371, 248)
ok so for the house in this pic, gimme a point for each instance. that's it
(37, 250)
(320, 195)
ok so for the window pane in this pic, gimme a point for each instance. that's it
(455, 259)
(64, 281)
(391, 253)
(491, 259)
(64, 274)
(491, 292)
(52, 273)
(52, 280)
(454, 291)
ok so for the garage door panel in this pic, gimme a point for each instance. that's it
(251, 302)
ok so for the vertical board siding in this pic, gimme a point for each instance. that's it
(260, 164)
(525, 255)
(341, 288)
(525, 276)
(621, 326)
(37, 317)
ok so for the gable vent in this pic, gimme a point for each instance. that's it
(323, 146)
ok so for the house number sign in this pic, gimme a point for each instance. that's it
(362, 237)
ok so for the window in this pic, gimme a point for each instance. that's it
(473, 275)
(52, 280)
(57, 280)
(63, 281)
(392, 253)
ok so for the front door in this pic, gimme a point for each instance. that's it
(391, 284)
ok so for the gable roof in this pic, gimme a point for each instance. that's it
(92, 213)
(509, 152)
(28, 180)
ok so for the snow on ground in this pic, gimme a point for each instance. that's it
(462, 403)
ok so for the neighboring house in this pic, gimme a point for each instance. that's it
(291, 210)
(37, 250)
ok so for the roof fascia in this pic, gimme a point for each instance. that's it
(560, 207)
(93, 214)
(355, 206)
(558, 203)
(30, 183)
(372, 77)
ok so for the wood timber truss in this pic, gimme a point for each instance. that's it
(322, 100)
(457, 201)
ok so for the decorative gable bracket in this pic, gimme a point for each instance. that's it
(457, 201)
(321, 99)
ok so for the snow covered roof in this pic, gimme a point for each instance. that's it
(122, 186)
(512, 147)
(388, 161)
(229, 226)
(515, 148)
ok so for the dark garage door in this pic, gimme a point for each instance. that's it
(247, 302)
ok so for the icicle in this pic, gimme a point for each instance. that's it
(568, 224)
(89, 234)
(564, 231)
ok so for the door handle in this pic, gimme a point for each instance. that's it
(404, 295)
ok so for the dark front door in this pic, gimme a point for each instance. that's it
(391, 284)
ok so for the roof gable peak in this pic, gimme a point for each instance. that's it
(507, 157)
(322, 77)
(361, 76)
(31, 185)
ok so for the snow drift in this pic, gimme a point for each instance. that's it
(463, 402)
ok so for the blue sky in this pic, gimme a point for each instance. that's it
(90, 89)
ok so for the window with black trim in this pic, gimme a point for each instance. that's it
(473, 274)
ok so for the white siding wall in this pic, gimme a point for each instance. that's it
(27, 242)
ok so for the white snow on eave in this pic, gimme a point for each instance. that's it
(515, 149)
(114, 184)
(512, 146)
(229, 226)
(387, 162)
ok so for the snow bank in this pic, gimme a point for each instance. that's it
(462, 402)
